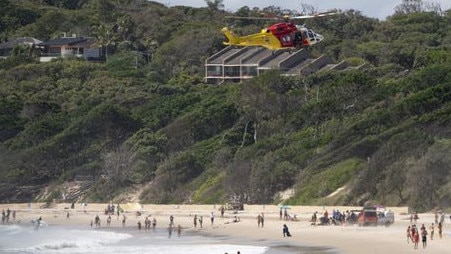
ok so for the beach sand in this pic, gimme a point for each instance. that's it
(336, 239)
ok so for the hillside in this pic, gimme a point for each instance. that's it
(97, 131)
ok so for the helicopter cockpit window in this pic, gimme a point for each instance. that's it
(311, 34)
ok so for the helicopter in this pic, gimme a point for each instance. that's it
(284, 35)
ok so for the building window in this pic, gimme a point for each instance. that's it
(214, 71)
(250, 71)
(232, 71)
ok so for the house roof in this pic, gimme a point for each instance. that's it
(19, 41)
(64, 41)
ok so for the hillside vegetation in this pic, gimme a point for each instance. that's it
(145, 117)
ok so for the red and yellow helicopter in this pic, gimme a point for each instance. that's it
(283, 35)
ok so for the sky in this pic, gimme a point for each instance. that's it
(372, 8)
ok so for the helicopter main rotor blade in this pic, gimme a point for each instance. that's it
(251, 18)
(316, 15)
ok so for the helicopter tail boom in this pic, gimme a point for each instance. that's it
(264, 39)
(233, 39)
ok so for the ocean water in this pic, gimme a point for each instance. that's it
(63, 239)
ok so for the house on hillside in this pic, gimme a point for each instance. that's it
(233, 64)
(72, 46)
(6, 48)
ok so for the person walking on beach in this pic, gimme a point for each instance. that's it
(201, 220)
(409, 235)
(285, 231)
(118, 211)
(424, 237)
(170, 231)
(179, 230)
(97, 221)
(123, 220)
(431, 228)
(416, 239)
(195, 221)
(415, 218)
(108, 221)
(440, 226)
(262, 219)
(259, 219)
(154, 223)
(212, 217)
(171, 220)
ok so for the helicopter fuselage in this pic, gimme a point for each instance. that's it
(296, 36)
(284, 35)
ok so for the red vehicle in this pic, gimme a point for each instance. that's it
(367, 217)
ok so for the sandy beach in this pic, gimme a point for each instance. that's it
(336, 239)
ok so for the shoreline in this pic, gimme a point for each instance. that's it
(307, 238)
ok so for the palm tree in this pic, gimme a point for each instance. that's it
(106, 37)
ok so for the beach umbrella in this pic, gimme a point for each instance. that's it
(285, 207)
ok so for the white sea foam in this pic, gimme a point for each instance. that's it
(62, 240)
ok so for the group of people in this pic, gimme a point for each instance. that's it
(171, 228)
(336, 218)
(6, 215)
(413, 234)
(196, 220)
(283, 213)
(149, 223)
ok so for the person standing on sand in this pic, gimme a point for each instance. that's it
(424, 237)
(123, 220)
(440, 226)
(201, 219)
(412, 232)
(212, 217)
(416, 239)
(154, 223)
(431, 228)
(262, 219)
(259, 219)
(97, 221)
(171, 220)
(179, 230)
(195, 221)
(170, 231)
(408, 235)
